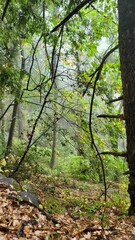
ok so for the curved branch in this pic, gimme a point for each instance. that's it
(97, 74)
(100, 67)
(91, 132)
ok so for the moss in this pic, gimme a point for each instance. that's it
(54, 205)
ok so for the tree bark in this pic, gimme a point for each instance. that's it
(15, 107)
(2, 124)
(20, 122)
(12, 128)
(54, 144)
(127, 60)
(53, 157)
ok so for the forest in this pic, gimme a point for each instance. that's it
(67, 113)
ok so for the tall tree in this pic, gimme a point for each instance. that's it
(127, 60)
(15, 108)
(53, 71)
(12, 128)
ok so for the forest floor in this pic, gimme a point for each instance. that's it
(72, 210)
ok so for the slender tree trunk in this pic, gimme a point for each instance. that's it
(20, 122)
(53, 157)
(12, 128)
(127, 60)
(2, 124)
(15, 108)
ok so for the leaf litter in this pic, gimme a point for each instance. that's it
(21, 220)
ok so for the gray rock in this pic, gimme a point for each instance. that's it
(29, 198)
(25, 196)
(7, 180)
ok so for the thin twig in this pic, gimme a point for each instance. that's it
(10, 105)
(100, 66)
(33, 57)
(71, 14)
(5, 9)
(94, 8)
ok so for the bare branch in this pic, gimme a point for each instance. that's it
(115, 154)
(116, 99)
(119, 116)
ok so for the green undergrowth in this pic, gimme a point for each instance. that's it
(78, 198)
(53, 205)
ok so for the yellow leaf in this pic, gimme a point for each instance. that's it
(3, 162)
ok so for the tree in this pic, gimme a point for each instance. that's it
(15, 107)
(127, 60)
(54, 138)
(83, 26)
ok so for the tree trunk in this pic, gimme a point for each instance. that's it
(53, 157)
(55, 96)
(2, 131)
(16, 103)
(127, 61)
(12, 128)
(20, 122)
